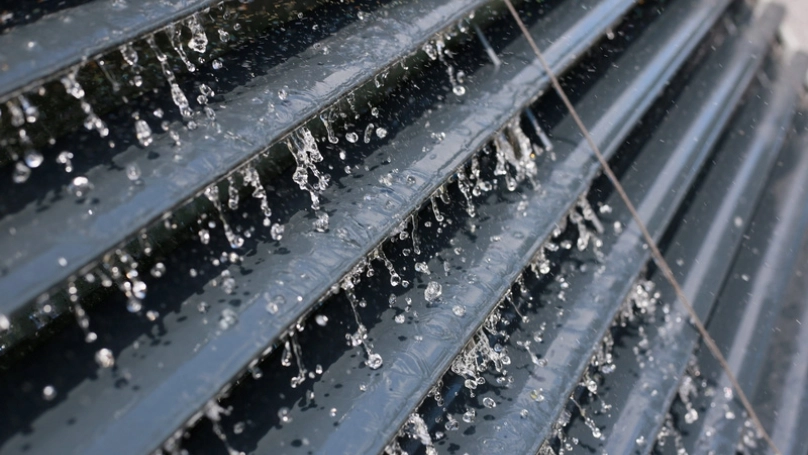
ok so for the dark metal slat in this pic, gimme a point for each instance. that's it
(32, 256)
(58, 41)
(371, 406)
(50, 45)
(743, 322)
(355, 228)
(584, 321)
(700, 254)
(781, 398)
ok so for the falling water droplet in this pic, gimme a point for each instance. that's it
(283, 414)
(143, 133)
(276, 231)
(48, 393)
(158, 270)
(104, 358)
(33, 159)
(21, 173)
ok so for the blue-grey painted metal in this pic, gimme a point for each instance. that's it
(701, 257)
(31, 260)
(743, 322)
(658, 179)
(58, 41)
(355, 230)
(781, 396)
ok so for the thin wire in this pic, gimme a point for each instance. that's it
(660, 261)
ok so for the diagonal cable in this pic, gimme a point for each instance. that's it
(660, 261)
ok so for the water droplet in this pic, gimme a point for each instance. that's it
(143, 133)
(400, 318)
(133, 172)
(276, 231)
(489, 402)
(459, 310)
(459, 90)
(104, 358)
(321, 223)
(352, 137)
(129, 54)
(691, 416)
(738, 221)
(433, 291)
(33, 159)
(80, 186)
(321, 320)
(422, 268)
(536, 395)
(65, 158)
(386, 179)
(381, 133)
(5, 324)
(283, 414)
(62, 262)
(374, 361)
(227, 319)
(152, 315)
(139, 289)
(133, 305)
(204, 236)
(273, 304)
(21, 173)
(238, 428)
(217, 64)
(333, 412)
(199, 41)
(524, 413)
(229, 285)
(202, 307)
(158, 270)
(49, 392)
(283, 94)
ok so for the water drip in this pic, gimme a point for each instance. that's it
(91, 121)
(212, 194)
(304, 149)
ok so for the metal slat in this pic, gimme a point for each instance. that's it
(743, 322)
(702, 254)
(231, 351)
(781, 398)
(371, 406)
(42, 49)
(584, 319)
(32, 256)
